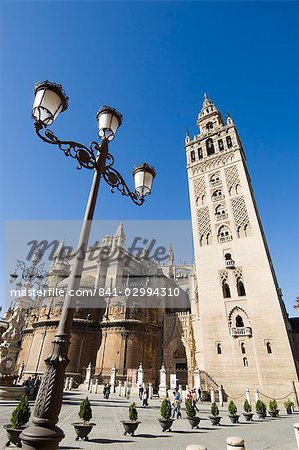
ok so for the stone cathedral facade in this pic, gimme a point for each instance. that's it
(242, 332)
(232, 324)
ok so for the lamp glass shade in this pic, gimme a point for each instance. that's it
(143, 179)
(109, 120)
(49, 102)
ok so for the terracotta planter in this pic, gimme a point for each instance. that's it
(215, 420)
(130, 426)
(166, 424)
(13, 435)
(261, 415)
(234, 418)
(248, 416)
(274, 413)
(83, 430)
(194, 421)
(289, 410)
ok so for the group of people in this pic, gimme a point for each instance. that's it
(193, 396)
(32, 386)
(144, 396)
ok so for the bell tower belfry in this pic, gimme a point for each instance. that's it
(241, 328)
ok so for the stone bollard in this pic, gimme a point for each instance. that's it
(256, 395)
(66, 383)
(247, 395)
(220, 396)
(235, 443)
(150, 390)
(196, 447)
(296, 429)
(119, 388)
(212, 395)
(71, 383)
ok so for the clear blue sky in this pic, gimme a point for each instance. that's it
(153, 61)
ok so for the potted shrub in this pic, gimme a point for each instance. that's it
(215, 418)
(261, 409)
(165, 410)
(273, 411)
(247, 408)
(232, 409)
(18, 420)
(193, 419)
(130, 426)
(289, 405)
(84, 428)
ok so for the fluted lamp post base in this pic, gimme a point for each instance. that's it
(40, 437)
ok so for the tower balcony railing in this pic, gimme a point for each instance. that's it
(216, 198)
(229, 263)
(221, 216)
(241, 331)
(215, 183)
(224, 238)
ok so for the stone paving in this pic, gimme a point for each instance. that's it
(270, 434)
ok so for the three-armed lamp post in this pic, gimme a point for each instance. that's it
(50, 101)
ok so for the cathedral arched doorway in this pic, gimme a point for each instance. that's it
(178, 363)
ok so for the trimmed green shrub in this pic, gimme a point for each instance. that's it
(133, 414)
(232, 409)
(190, 410)
(165, 408)
(214, 410)
(260, 407)
(273, 405)
(247, 406)
(21, 413)
(289, 404)
(85, 412)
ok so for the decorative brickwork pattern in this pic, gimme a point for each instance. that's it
(203, 221)
(232, 176)
(199, 187)
(238, 274)
(223, 276)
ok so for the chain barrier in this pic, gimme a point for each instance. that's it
(276, 398)
(236, 398)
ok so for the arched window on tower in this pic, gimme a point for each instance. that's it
(239, 322)
(243, 349)
(226, 290)
(269, 348)
(219, 350)
(220, 212)
(245, 362)
(241, 288)
(224, 234)
(210, 147)
(209, 126)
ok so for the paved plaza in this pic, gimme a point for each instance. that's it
(270, 434)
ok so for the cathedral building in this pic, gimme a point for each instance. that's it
(230, 322)
(119, 327)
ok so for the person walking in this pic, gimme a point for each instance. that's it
(141, 392)
(128, 392)
(145, 398)
(199, 394)
(177, 405)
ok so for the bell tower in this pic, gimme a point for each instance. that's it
(241, 328)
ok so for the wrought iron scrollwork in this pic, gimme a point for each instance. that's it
(116, 181)
(87, 157)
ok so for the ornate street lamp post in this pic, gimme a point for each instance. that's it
(50, 101)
